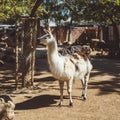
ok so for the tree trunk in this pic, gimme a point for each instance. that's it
(26, 70)
(34, 9)
(29, 47)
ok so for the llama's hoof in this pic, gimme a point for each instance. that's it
(83, 98)
(70, 104)
(60, 104)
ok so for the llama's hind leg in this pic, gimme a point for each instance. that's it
(83, 89)
(85, 84)
(61, 84)
(69, 89)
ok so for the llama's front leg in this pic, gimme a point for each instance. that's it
(61, 84)
(69, 89)
(85, 84)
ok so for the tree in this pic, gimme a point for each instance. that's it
(10, 10)
(16, 11)
(101, 12)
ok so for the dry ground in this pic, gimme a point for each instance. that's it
(40, 102)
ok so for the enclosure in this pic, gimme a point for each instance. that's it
(24, 69)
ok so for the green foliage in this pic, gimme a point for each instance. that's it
(95, 11)
(102, 11)
(14, 9)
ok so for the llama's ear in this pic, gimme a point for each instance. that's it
(45, 30)
(49, 32)
(49, 28)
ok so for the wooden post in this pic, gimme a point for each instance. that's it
(34, 49)
(16, 55)
(22, 39)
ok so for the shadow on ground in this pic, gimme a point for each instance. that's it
(106, 85)
(37, 102)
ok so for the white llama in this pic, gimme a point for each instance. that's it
(66, 68)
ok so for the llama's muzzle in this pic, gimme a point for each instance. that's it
(43, 37)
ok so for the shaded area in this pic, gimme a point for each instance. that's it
(6, 98)
(42, 101)
(109, 76)
(46, 79)
(37, 102)
(109, 66)
(105, 77)
(7, 79)
(106, 87)
(43, 79)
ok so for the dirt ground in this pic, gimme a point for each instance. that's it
(40, 102)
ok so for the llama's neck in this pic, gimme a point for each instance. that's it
(53, 52)
(56, 62)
